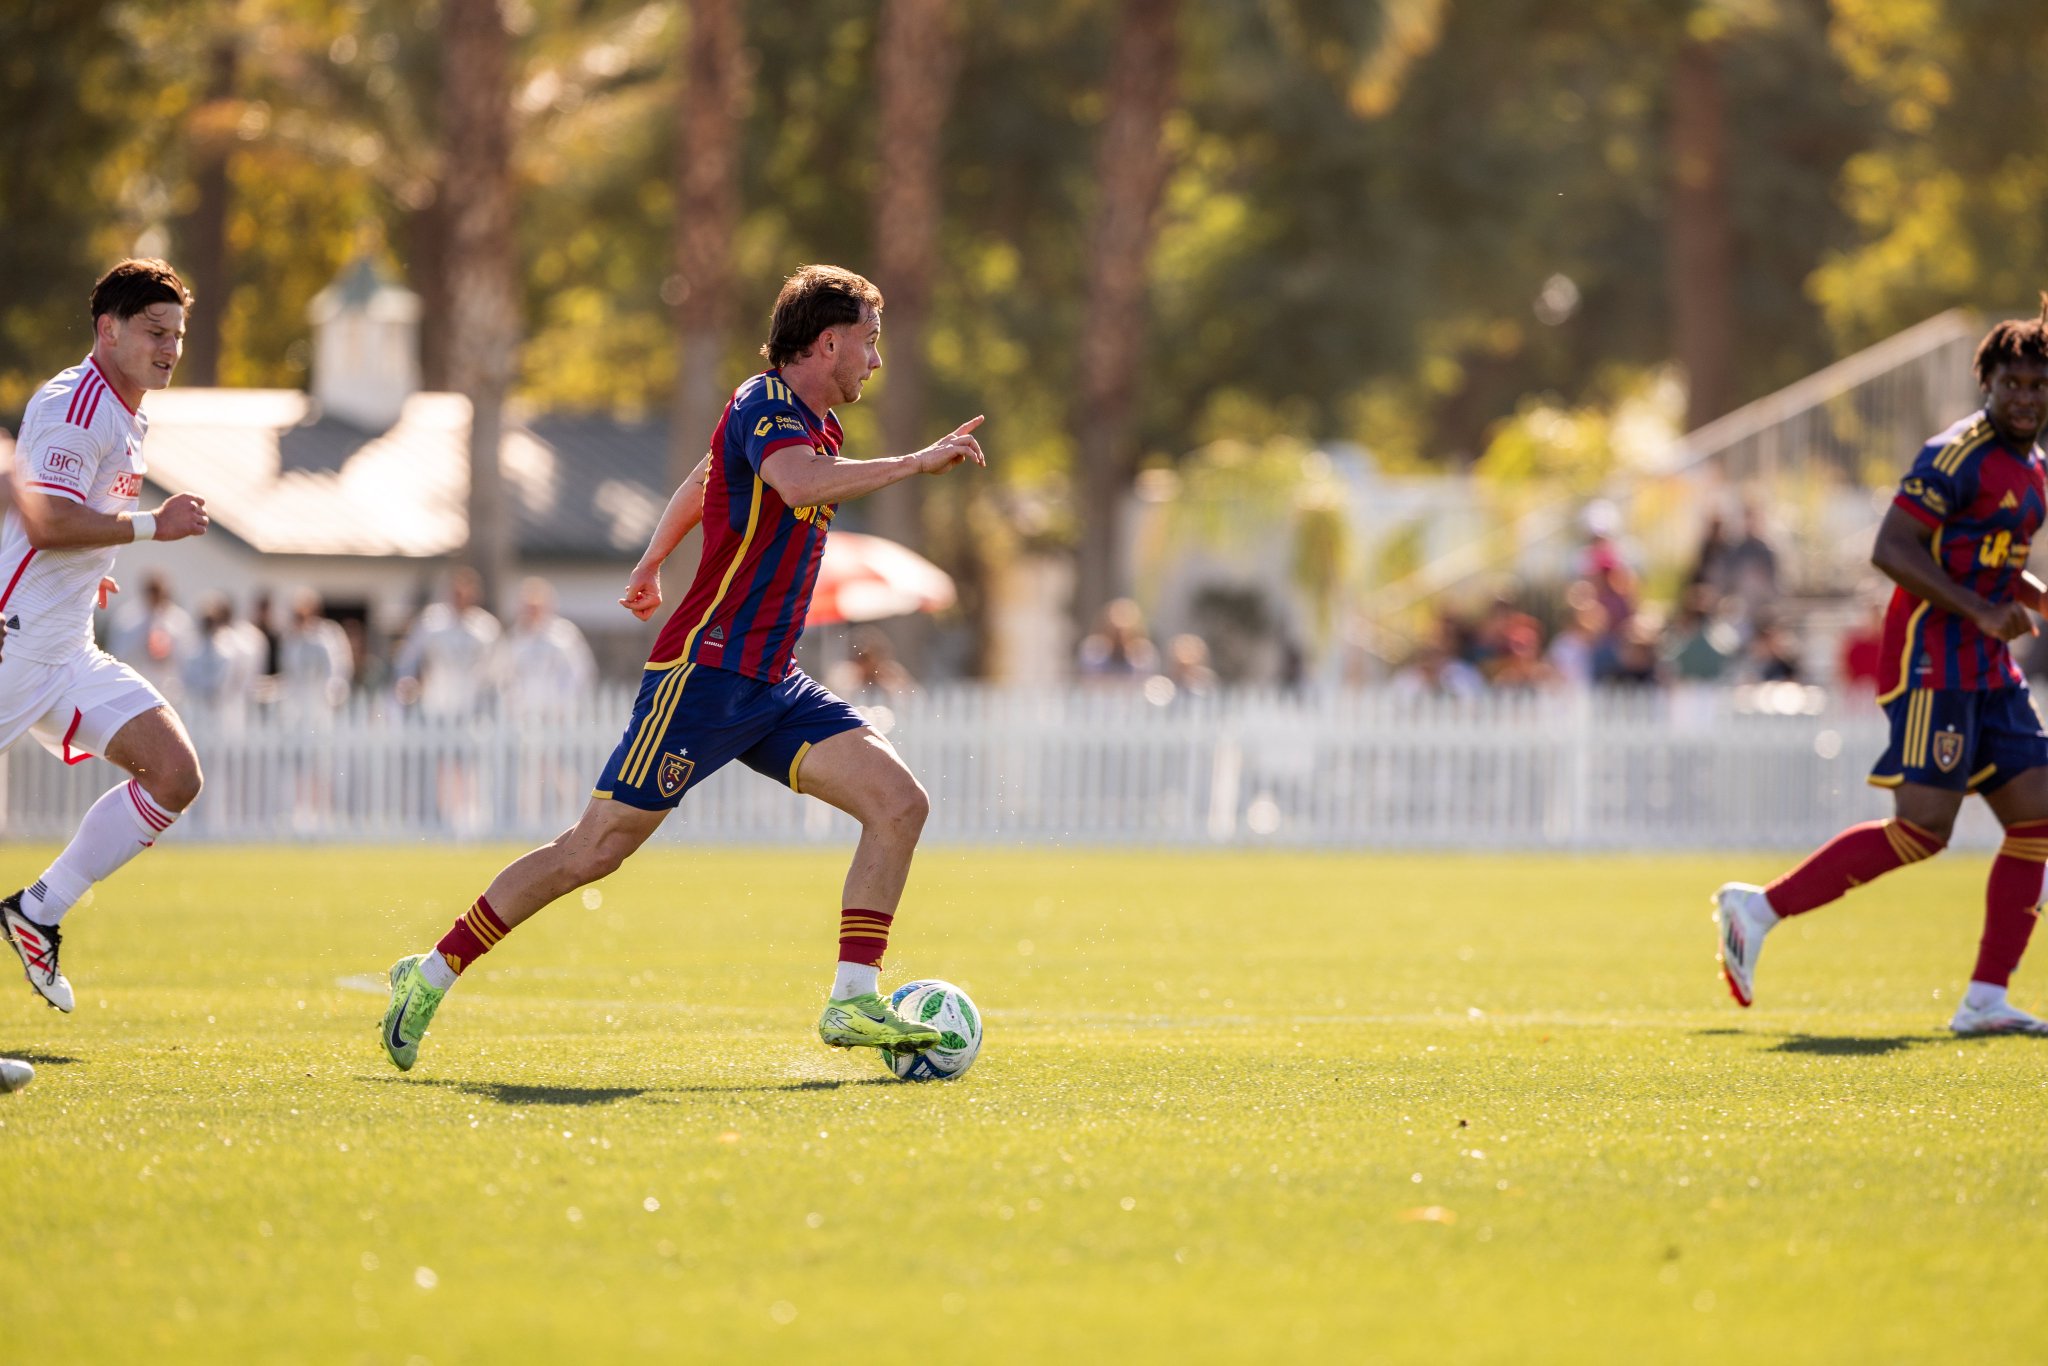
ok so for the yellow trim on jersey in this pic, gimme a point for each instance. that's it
(1906, 655)
(1951, 457)
(600, 795)
(725, 584)
(653, 667)
(1893, 781)
(797, 763)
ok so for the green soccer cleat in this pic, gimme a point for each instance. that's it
(413, 1004)
(870, 1022)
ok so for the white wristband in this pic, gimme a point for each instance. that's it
(144, 524)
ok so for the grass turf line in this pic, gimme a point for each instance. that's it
(1230, 1108)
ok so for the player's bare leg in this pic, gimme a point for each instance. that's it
(860, 773)
(603, 837)
(127, 819)
(2012, 897)
(1744, 914)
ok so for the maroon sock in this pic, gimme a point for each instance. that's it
(2011, 898)
(472, 936)
(1856, 856)
(863, 936)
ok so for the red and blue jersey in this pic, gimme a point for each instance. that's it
(753, 587)
(1984, 499)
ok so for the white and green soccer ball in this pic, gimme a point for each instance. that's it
(947, 1009)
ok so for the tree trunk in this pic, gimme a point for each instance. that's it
(482, 279)
(917, 62)
(1700, 255)
(204, 253)
(707, 208)
(426, 230)
(1131, 169)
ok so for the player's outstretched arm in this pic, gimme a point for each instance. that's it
(805, 477)
(684, 512)
(60, 524)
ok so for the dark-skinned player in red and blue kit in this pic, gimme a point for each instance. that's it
(721, 683)
(1955, 541)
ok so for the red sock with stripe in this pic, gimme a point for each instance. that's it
(2011, 898)
(1858, 855)
(863, 938)
(475, 933)
(121, 824)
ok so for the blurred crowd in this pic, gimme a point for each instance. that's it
(287, 653)
(1725, 626)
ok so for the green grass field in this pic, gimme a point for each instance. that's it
(1230, 1108)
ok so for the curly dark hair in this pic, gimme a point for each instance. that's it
(134, 285)
(2015, 339)
(813, 299)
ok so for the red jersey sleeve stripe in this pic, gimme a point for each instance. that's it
(782, 443)
(72, 494)
(1918, 513)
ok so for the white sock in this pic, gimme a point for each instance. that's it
(1771, 916)
(121, 824)
(1982, 996)
(434, 968)
(856, 979)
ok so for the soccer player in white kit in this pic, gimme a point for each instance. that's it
(78, 471)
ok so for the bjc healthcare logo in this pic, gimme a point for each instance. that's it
(63, 462)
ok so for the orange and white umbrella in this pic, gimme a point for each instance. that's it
(867, 578)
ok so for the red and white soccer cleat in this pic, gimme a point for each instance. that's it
(1742, 917)
(37, 945)
(1999, 1018)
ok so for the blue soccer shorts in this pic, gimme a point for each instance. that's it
(689, 721)
(1964, 740)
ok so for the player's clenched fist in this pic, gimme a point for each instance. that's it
(951, 449)
(182, 515)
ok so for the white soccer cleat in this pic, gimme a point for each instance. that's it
(15, 1074)
(37, 945)
(2003, 1018)
(1742, 917)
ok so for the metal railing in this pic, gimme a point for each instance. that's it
(1779, 766)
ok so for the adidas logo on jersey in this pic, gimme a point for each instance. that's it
(2008, 503)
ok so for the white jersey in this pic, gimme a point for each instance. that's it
(79, 441)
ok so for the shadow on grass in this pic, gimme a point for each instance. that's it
(1855, 1045)
(39, 1059)
(509, 1093)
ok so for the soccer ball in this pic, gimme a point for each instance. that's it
(946, 1008)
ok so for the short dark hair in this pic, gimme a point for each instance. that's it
(134, 285)
(813, 299)
(2013, 340)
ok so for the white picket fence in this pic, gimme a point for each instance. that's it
(1717, 768)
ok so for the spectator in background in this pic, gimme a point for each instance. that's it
(263, 619)
(314, 661)
(545, 666)
(1862, 648)
(1701, 646)
(1521, 664)
(1773, 656)
(1710, 565)
(1187, 665)
(1575, 649)
(446, 658)
(155, 636)
(1435, 670)
(220, 672)
(1633, 662)
(870, 670)
(1496, 637)
(1118, 646)
(1753, 566)
(1603, 565)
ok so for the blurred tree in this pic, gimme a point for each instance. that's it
(1699, 255)
(1131, 168)
(482, 269)
(917, 60)
(706, 215)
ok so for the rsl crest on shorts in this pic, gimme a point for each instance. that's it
(673, 775)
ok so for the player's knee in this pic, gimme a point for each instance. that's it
(588, 861)
(909, 805)
(177, 786)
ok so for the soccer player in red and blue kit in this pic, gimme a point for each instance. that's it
(1955, 541)
(721, 683)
